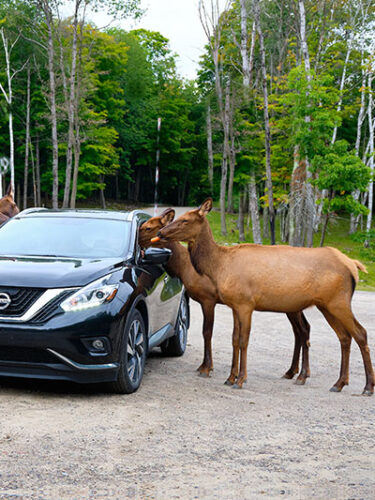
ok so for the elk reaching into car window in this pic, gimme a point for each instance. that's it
(201, 288)
(276, 278)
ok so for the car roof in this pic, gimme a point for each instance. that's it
(83, 213)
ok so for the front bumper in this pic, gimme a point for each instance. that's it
(59, 349)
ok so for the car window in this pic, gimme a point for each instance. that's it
(65, 237)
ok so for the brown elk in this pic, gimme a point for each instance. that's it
(202, 289)
(8, 207)
(279, 279)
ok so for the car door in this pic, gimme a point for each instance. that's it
(163, 293)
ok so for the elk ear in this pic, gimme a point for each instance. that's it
(10, 191)
(205, 207)
(167, 216)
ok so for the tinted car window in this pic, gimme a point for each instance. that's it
(65, 237)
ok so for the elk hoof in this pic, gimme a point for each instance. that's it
(300, 381)
(237, 386)
(229, 382)
(367, 392)
(334, 389)
(288, 375)
(205, 374)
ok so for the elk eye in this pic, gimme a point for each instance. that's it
(148, 229)
(185, 221)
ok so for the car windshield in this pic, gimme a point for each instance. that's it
(65, 237)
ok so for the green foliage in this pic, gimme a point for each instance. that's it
(367, 240)
(314, 99)
(341, 172)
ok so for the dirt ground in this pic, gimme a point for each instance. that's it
(184, 436)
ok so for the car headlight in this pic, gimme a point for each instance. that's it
(95, 294)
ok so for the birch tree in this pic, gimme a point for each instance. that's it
(267, 129)
(371, 152)
(247, 72)
(212, 21)
(7, 91)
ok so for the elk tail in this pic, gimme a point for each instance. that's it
(360, 266)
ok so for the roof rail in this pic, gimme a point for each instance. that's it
(31, 210)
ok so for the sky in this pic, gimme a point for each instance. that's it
(177, 20)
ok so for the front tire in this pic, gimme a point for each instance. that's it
(176, 346)
(132, 355)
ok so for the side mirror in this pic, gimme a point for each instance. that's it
(156, 256)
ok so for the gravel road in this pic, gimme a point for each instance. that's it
(184, 436)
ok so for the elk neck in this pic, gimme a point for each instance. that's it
(204, 252)
(179, 262)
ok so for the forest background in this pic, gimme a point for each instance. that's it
(278, 126)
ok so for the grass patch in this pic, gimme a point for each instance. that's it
(337, 236)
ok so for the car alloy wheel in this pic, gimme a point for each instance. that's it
(134, 352)
(132, 356)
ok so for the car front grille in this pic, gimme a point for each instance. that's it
(21, 300)
(51, 309)
(25, 355)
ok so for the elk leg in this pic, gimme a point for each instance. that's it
(360, 336)
(208, 310)
(236, 351)
(245, 325)
(305, 341)
(293, 370)
(345, 341)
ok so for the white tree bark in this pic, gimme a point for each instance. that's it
(9, 100)
(271, 211)
(354, 219)
(342, 84)
(210, 153)
(46, 8)
(212, 21)
(71, 106)
(27, 141)
(247, 70)
(371, 153)
(309, 198)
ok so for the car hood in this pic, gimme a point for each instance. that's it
(51, 272)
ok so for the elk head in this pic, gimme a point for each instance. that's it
(187, 226)
(8, 206)
(151, 227)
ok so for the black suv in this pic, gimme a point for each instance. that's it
(80, 301)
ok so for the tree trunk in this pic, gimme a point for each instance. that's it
(254, 210)
(342, 84)
(210, 153)
(361, 115)
(35, 195)
(271, 211)
(77, 127)
(37, 171)
(241, 226)
(77, 154)
(27, 141)
(244, 51)
(309, 210)
(9, 99)
(371, 152)
(102, 197)
(231, 154)
(52, 97)
(212, 24)
(71, 108)
(247, 70)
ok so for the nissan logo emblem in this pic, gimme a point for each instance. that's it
(5, 300)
